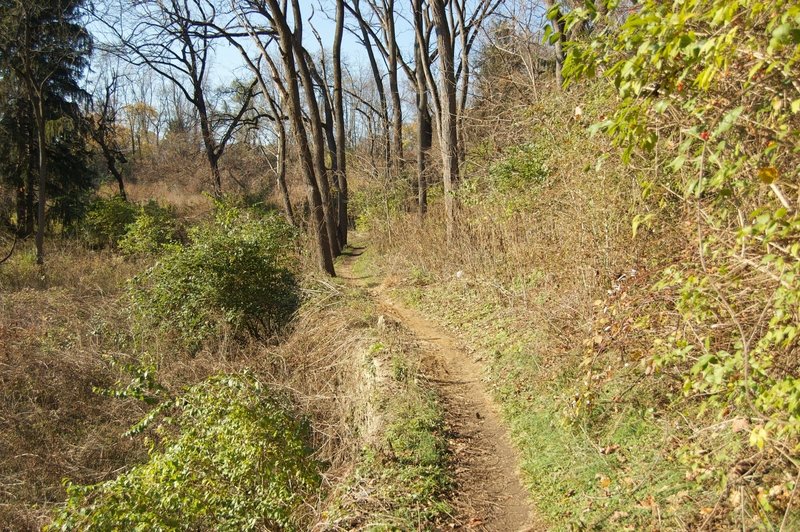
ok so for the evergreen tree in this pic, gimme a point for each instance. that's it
(44, 51)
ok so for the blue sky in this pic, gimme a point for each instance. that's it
(228, 63)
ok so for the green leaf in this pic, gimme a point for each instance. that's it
(639, 220)
(728, 120)
(677, 163)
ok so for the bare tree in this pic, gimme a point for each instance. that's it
(102, 119)
(456, 29)
(367, 37)
(555, 15)
(174, 39)
(424, 120)
(339, 116)
(277, 117)
(447, 111)
(266, 23)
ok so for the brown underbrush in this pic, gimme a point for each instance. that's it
(69, 348)
(550, 280)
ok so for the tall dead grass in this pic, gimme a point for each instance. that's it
(554, 254)
(65, 332)
(59, 326)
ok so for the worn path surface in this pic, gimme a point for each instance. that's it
(489, 494)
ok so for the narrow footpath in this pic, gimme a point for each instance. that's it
(488, 494)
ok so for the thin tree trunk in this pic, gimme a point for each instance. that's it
(20, 207)
(394, 86)
(448, 131)
(330, 140)
(208, 144)
(30, 212)
(424, 134)
(111, 164)
(281, 171)
(559, 29)
(38, 103)
(317, 134)
(425, 131)
(376, 76)
(338, 109)
(315, 200)
(464, 94)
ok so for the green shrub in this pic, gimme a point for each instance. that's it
(522, 168)
(107, 220)
(234, 271)
(708, 95)
(512, 181)
(154, 228)
(374, 205)
(234, 457)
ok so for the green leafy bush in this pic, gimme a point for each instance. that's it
(511, 181)
(710, 88)
(233, 457)
(107, 220)
(154, 228)
(522, 168)
(234, 271)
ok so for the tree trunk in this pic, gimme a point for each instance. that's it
(424, 135)
(325, 257)
(376, 76)
(558, 28)
(464, 93)
(330, 140)
(281, 173)
(209, 145)
(20, 207)
(280, 170)
(448, 130)
(338, 109)
(425, 131)
(317, 134)
(394, 87)
(38, 104)
(111, 164)
(30, 187)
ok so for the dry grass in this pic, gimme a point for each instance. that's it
(538, 280)
(58, 328)
(549, 287)
(567, 243)
(63, 326)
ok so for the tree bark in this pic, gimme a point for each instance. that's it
(317, 133)
(281, 174)
(558, 28)
(424, 134)
(208, 141)
(30, 212)
(38, 111)
(376, 76)
(394, 86)
(280, 170)
(111, 163)
(338, 108)
(315, 200)
(448, 130)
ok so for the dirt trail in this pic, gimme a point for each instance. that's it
(489, 495)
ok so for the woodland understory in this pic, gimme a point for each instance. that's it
(244, 245)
